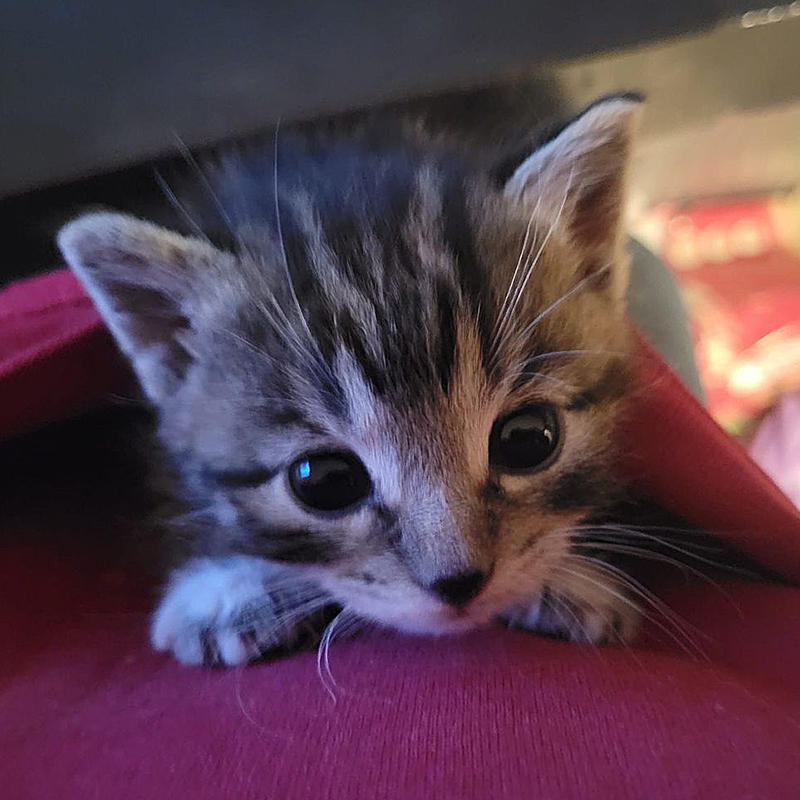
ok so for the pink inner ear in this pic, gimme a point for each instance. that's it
(150, 315)
(150, 321)
(596, 216)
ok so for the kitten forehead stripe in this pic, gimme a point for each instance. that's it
(472, 277)
(397, 317)
(445, 354)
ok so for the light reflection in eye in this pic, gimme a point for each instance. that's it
(304, 469)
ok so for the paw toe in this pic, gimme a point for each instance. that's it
(188, 648)
(233, 648)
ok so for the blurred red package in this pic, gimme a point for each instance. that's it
(738, 263)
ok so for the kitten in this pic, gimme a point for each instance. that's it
(389, 383)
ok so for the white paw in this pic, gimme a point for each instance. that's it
(220, 611)
(610, 620)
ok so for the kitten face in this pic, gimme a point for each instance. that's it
(400, 380)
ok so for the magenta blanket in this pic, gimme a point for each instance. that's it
(87, 711)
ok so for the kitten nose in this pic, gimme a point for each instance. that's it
(460, 589)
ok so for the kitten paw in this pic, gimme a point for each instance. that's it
(223, 612)
(583, 605)
(562, 618)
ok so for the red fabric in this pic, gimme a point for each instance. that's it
(88, 711)
(56, 358)
(677, 453)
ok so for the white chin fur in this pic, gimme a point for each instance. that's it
(442, 622)
(437, 627)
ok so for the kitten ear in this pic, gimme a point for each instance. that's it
(142, 279)
(579, 177)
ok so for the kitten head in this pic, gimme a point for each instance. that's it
(399, 376)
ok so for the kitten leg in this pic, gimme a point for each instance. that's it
(224, 611)
(585, 606)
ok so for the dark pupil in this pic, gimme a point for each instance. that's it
(329, 481)
(524, 440)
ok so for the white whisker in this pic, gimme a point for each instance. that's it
(519, 291)
(565, 608)
(566, 353)
(173, 199)
(532, 266)
(679, 624)
(315, 358)
(542, 376)
(323, 656)
(512, 282)
(247, 343)
(635, 607)
(192, 161)
(623, 532)
(564, 297)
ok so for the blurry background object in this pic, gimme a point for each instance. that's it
(91, 89)
(88, 86)
(737, 262)
(776, 445)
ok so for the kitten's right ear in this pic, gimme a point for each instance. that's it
(577, 180)
(143, 280)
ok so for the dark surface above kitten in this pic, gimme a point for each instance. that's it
(90, 87)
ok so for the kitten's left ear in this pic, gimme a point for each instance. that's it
(147, 284)
(577, 179)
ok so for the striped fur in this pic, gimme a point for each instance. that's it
(388, 298)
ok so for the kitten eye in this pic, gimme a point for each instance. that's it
(525, 439)
(329, 481)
